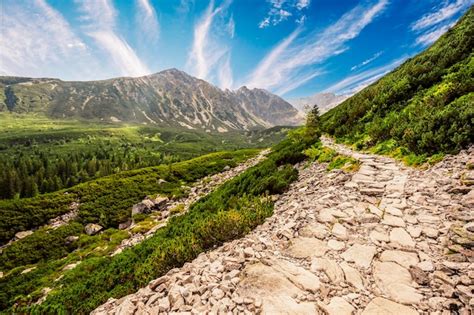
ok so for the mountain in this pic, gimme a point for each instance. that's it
(426, 105)
(325, 101)
(168, 98)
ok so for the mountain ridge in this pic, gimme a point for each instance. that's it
(170, 98)
(325, 101)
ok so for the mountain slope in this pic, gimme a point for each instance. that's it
(325, 101)
(426, 105)
(167, 98)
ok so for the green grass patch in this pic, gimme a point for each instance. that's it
(321, 154)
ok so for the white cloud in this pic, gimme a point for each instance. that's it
(100, 16)
(441, 14)
(225, 76)
(367, 61)
(209, 59)
(264, 23)
(298, 80)
(289, 62)
(147, 20)
(301, 4)
(434, 24)
(36, 40)
(355, 83)
(231, 27)
(431, 36)
(281, 10)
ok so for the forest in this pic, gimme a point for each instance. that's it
(40, 155)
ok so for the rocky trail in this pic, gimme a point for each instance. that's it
(386, 239)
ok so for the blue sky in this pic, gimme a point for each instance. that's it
(291, 47)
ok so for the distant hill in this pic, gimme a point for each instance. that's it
(325, 101)
(168, 98)
(426, 105)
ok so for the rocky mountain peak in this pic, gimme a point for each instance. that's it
(169, 98)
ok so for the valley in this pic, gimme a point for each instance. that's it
(163, 193)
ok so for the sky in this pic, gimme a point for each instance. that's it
(293, 48)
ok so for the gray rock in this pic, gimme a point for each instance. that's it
(92, 228)
(418, 275)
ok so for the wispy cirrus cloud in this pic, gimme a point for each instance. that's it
(434, 24)
(282, 10)
(431, 36)
(355, 83)
(100, 16)
(445, 12)
(147, 19)
(36, 38)
(367, 61)
(209, 58)
(291, 61)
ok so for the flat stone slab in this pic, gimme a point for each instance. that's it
(400, 237)
(392, 220)
(396, 282)
(405, 259)
(275, 289)
(352, 276)
(381, 306)
(317, 230)
(306, 247)
(337, 306)
(329, 267)
(361, 255)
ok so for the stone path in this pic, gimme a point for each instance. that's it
(384, 240)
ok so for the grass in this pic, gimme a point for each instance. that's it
(319, 153)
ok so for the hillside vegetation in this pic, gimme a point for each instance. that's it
(229, 212)
(424, 107)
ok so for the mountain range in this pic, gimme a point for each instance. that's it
(324, 101)
(167, 98)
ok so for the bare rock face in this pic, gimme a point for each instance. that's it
(168, 98)
(92, 228)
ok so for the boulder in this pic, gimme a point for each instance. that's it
(160, 202)
(71, 239)
(125, 225)
(22, 234)
(92, 228)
